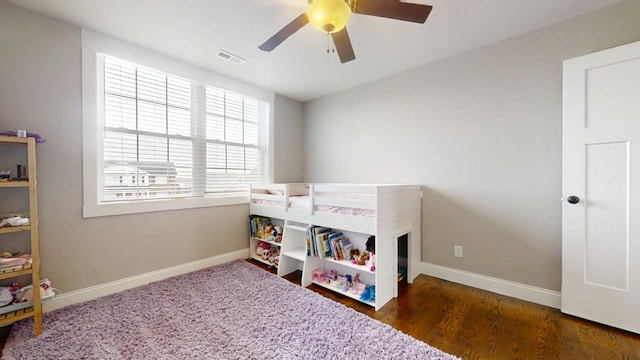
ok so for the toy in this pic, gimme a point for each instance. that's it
(274, 259)
(357, 287)
(5, 296)
(369, 294)
(372, 261)
(278, 233)
(354, 254)
(332, 275)
(274, 256)
(371, 244)
(362, 260)
(261, 247)
(39, 139)
(25, 294)
(268, 233)
(14, 221)
(318, 275)
(347, 282)
(359, 258)
(272, 232)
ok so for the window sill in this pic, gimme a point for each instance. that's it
(144, 206)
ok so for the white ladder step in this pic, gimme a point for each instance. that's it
(296, 227)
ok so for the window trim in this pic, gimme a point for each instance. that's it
(93, 123)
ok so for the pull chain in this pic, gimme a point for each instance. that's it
(329, 44)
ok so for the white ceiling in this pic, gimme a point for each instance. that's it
(300, 68)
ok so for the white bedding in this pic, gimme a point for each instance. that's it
(302, 202)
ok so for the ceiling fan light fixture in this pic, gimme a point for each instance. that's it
(328, 16)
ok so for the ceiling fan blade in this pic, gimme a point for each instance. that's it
(343, 45)
(394, 9)
(286, 31)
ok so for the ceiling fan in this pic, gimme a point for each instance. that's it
(331, 16)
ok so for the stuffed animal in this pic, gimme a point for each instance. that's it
(268, 232)
(369, 294)
(278, 233)
(274, 258)
(261, 247)
(25, 294)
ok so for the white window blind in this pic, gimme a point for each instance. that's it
(169, 137)
(233, 142)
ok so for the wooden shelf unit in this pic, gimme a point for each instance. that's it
(13, 316)
(10, 229)
(35, 310)
(12, 274)
(12, 184)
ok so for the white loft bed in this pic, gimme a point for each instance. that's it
(386, 211)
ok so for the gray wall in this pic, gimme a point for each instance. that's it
(40, 90)
(288, 140)
(481, 132)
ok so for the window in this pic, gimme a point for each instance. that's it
(177, 142)
(233, 150)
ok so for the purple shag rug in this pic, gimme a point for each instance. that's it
(230, 311)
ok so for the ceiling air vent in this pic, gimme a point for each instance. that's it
(230, 57)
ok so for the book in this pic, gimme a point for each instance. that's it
(312, 239)
(346, 248)
(311, 236)
(334, 241)
(309, 246)
(252, 225)
(334, 249)
(324, 244)
(318, 246)
(257, 225)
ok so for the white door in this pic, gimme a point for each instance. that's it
(601, 187)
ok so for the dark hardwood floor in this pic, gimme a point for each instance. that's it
(477, 324)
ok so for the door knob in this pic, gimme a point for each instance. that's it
(573, 199)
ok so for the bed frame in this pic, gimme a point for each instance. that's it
(395, 210)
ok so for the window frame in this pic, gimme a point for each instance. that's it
(93, 124)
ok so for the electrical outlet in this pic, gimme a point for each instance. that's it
(457, 251)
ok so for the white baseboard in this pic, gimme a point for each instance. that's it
(504, 287)
(112, 287)
(509, 288)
